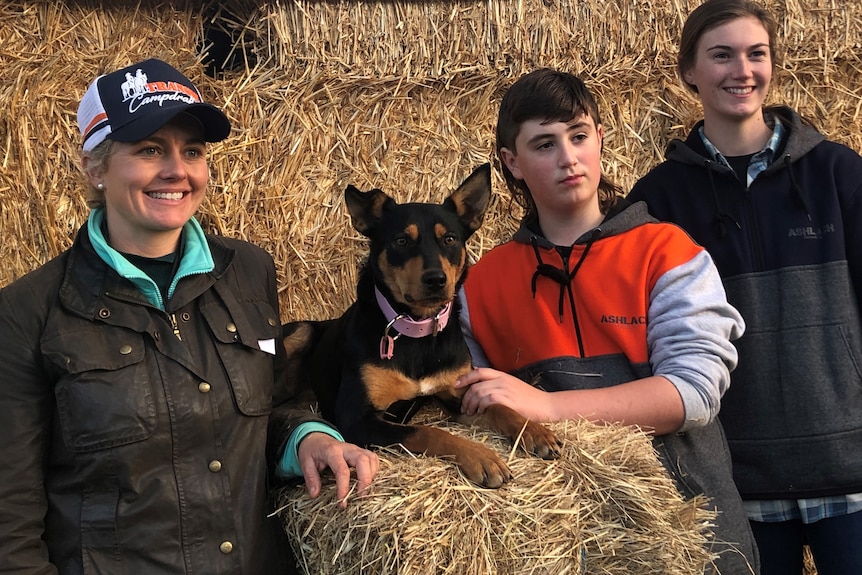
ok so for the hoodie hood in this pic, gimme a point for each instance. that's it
(622, 217)
(800, 139)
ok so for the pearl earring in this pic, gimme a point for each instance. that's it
(100, 186)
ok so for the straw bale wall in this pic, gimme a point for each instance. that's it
(400, 95)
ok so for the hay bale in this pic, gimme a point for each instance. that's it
(606, 506)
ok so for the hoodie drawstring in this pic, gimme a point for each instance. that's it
(794, 186)
(721, 216)
(562, 277)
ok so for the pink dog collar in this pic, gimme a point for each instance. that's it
(403, 324)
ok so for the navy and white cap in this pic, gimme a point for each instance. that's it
(132, 103)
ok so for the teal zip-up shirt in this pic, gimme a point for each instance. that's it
(197, 258)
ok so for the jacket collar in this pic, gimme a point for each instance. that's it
(798, 140)
(621, 218)
(88, 278)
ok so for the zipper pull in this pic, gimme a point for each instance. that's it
(175, 326)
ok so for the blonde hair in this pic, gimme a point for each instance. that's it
(97, 161)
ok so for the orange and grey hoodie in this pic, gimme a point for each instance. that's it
(630, 299)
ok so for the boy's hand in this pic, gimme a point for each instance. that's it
(489, 386)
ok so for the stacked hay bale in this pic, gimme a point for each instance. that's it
(49, 52)
(397, 95)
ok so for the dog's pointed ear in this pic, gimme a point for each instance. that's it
(472, 198)
(365, 208)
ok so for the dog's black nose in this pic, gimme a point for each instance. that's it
(434, 280)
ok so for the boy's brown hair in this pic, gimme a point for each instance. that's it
(550, 96)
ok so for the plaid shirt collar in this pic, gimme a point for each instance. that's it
(760, 160)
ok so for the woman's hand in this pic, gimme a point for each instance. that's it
(318, 451)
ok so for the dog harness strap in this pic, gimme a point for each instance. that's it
(405, 325)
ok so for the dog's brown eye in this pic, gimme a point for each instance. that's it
(449, 240)
(400, 242)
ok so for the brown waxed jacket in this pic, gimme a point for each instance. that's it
(126, 448)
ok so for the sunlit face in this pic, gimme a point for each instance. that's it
(732, 69)
(561, 164)
(153, 187)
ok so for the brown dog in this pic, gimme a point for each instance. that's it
(401, 340)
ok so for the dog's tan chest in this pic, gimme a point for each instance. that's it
(385, 385)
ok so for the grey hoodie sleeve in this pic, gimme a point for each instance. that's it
(476, 351)
(690, 332)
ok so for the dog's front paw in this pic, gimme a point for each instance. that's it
(479, 463)
(534, 438)
(540, 441)
(483, 466)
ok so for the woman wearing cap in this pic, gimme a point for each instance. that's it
(142, 368)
